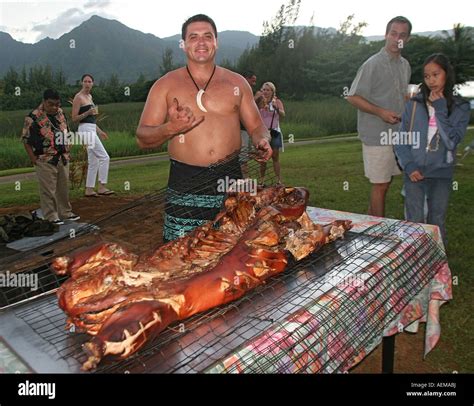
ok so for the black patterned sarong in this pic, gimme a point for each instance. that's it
(193, 196)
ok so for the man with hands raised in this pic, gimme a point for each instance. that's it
(198, 109)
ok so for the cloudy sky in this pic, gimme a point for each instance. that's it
(31, 21)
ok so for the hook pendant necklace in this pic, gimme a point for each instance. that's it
(201, 91)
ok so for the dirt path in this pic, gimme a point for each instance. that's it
(90, 209)
(114, 164)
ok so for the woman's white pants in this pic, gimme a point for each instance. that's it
(98, 158)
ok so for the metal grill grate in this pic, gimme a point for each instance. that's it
(315, 344)
(293, 323)
(381, 254)
(137, 226)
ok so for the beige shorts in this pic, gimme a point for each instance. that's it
(380, 163)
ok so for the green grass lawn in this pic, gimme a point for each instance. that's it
(125, 180)
(323, 169)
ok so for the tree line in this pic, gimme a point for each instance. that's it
(307, 62)
(303, 62)
(24, 90)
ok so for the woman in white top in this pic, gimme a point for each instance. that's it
(84, 111)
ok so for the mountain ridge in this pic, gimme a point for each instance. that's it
(104, 47)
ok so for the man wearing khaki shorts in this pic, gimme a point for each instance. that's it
(378, 91)
(379, 164)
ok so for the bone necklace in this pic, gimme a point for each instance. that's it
(201, 91)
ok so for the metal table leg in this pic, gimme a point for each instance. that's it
(388, 354)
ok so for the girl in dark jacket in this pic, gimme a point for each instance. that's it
(434, 122)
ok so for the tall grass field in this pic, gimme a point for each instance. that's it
(304, 119)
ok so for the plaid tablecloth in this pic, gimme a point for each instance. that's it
(281, 349)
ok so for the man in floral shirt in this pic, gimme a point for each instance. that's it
(45, 137)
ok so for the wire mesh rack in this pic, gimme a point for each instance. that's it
(318, 316)
(138, 226)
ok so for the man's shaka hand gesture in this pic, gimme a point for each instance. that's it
(181, 118)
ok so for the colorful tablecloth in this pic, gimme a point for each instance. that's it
(280, 350)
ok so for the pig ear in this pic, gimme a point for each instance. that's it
(176, 104)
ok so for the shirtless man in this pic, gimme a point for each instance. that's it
(198, 138)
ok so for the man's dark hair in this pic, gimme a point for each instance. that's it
(195, 19)
(85, 75)
(248, 74)
(400, 20)
(51, 94)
